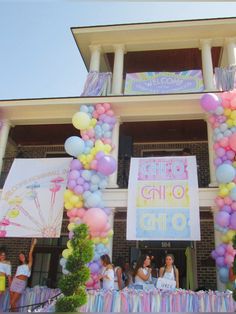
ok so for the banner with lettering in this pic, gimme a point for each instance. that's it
(32, 198)
(163, 82)
(163, 199)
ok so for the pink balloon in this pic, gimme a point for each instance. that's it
(232, 142)
(106, 165)
(219, 202)
(220, 151)
(224, 142)
(103, 234)
(233, 103)
(93, 164)
(228, 200)
(96, 219)
(106, 105)
(80, 212)
(233, 206)
(229, 259)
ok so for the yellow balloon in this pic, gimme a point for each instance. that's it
(69, 245)
(96, 240)
(79, 204)
(105, 240)
(230, 234)
(93, 122)
(81, 120)
(230, 186)
(67, 194)
(71, 226)
(230, 123)
(233, 115)
(66, 253)
(223, 192)
(224, 238)
(13, 213)
(227, 112)
(74, 199)
(68, 205)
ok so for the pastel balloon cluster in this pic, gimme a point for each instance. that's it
(222, 110)
(87, 178)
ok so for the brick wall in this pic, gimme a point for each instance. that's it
(206, 270)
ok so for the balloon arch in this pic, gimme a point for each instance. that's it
(88, 176)
(222, 117)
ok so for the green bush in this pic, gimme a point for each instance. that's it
(73, 284)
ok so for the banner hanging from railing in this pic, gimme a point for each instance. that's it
(32, 198)
(163, 199)
(164, 82)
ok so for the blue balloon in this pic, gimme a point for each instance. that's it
(93, 200)
(86, 174)
(225, 173)
(74, 146)
(233, 194)
(84, 108)
(224, 274)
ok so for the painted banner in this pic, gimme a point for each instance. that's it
(163, 199)
(163, 82)
(32, 198)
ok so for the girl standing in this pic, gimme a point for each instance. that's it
(107, 275)
(23, 272)
(169, 271)
(142, 271)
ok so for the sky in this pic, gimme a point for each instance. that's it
(38, 55)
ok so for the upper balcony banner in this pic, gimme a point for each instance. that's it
(164, 82)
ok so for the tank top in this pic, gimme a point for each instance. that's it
(169, 274)
(116, 287)
(23, 270)
(108, 283)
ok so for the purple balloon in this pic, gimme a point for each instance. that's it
(220, 250)
(75, 164)
(94, 267)
(107, 210)
(233, 220)
(222, 219)
(220, 261)
(106, 165)
(74, 174)
(78, 190)
(218, 161)
(210, 102)
(86, 186)
(71, 234)
(80, 181)
(100, 155)
(214, 254)
(226, 208)
(220, 151)
(230, 154)
(71, 184)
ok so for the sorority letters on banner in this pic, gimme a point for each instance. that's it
(32, 198)
(163, 199)
(163, 82)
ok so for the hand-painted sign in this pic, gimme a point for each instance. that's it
(163, 199)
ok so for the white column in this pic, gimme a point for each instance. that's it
(217, 234)
(211, 155)
(112, 183)
(3, 140)
(207, 66)
(95, 58)
(111, 222)
(117, 81)
(231, 51)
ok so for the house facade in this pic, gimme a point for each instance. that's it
(148, 124)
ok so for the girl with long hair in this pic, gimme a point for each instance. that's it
(23, 272)
(169, 271)
(107, 275)
(142, 271)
